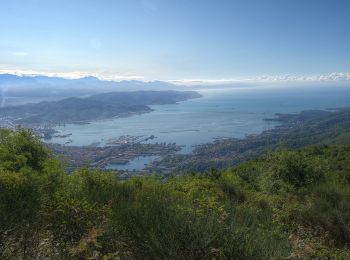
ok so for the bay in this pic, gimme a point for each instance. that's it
(220, 113)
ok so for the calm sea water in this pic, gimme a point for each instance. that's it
(136, 164)
(219, 113)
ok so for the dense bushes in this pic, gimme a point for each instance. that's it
(288, 204)
(296, 170)
(19, 151)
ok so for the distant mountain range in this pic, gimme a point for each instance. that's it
(22, 89)
(95, 107)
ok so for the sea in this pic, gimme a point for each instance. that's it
(219, 113)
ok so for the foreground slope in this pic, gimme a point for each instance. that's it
(287, 204)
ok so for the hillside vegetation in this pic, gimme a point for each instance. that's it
(312, 127)
(291, 204)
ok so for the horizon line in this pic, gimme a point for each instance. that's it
(287, 78)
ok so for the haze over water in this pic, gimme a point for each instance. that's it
(219, 113)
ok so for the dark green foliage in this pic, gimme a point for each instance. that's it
(328, 208)
(310, 192)
(19, 151)
(288, 204)
(297, 170)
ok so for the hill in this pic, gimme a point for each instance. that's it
(290, 204)
(295, 131)
(17, 90)
(95, 107)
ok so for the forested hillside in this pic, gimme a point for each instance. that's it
(311, 127)
(291, 204)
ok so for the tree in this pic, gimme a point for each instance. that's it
(20, 150)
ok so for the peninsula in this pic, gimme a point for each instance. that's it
(92, 108)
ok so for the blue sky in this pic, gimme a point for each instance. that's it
(176, 39)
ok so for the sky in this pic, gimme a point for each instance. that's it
(176, 40)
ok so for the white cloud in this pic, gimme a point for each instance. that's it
(335, 76)
(105, 75)
(73, 74)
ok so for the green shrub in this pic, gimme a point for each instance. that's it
(297, 170)
(288, 204)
